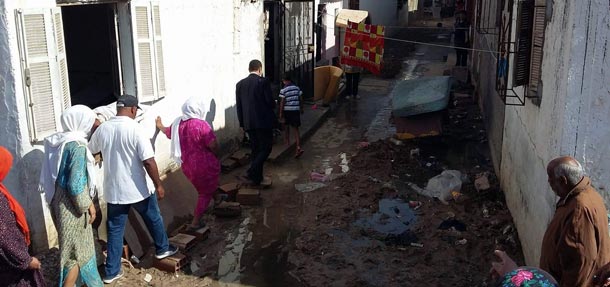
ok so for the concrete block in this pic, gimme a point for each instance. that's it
(172, 263)
(249, 196)
(183, 241)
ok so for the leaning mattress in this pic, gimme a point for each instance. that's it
(420, 96)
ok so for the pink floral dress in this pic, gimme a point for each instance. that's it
(199, 163)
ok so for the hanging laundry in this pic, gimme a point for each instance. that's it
(364, 45)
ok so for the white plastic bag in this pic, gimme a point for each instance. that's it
(443, 184)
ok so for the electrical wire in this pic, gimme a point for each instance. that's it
(431, 44)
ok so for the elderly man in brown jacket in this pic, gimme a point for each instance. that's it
(576, 242)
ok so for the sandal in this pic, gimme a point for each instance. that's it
(299, 153)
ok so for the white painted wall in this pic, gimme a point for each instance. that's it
(571, 120)
(332, 33)
(200, 60)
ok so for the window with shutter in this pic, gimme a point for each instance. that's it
(521, 71)
(160, 68)
(42, 55)
(61, 58)
(539, 25)
(144, 51)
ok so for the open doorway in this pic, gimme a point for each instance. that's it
(92, 53)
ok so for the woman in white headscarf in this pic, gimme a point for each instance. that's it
(67, 180)
(194, 147)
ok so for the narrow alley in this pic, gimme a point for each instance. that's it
(342, 233)
(439, 143)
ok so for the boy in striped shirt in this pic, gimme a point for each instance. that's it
(291, 108)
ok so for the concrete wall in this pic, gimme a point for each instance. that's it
(483, 69)
(382, 12)
(203, 54)
(571, 120)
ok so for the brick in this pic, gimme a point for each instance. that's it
(249, 196)
(200, 234)
(227, 209)
(229, 164)
(172, 263)
(241, 157)
(266, 183)
(230, 188)
(183, 241)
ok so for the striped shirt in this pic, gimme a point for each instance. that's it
(291, 95)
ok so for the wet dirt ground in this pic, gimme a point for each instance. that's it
(358, 229)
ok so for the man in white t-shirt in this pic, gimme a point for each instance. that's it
(128, 156)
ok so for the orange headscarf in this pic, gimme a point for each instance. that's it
(6, 161)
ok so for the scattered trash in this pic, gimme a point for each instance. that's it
(507, 229)
(396, 141)
(314, 107)
(456, 195)
(417, 245)
(319, 177)
(407, 175)
(461, 242)
(482, 182)
(428, 164)
(363, 144)
(406, 238)
(415, 205)
(373, 179)
(485, 212)
(432, 157)
(394, 217)
(450, 215)
(419, 54)
(452, 223)
(148, 278)
(442, 185)
(308, 187)
(344, 162)
(414, 152)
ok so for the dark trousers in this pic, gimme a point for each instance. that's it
(261, 141)
(462, 57)
(352, 83)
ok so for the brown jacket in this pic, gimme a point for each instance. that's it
(577, 243)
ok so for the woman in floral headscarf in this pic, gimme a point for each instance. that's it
(509, 275)
(17, 267)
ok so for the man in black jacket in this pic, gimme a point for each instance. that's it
(255, 111)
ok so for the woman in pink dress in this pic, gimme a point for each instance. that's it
(194, 147)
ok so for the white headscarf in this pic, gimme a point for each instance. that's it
(76, 123)
(193, 108)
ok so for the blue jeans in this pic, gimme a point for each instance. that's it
(117, 217)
